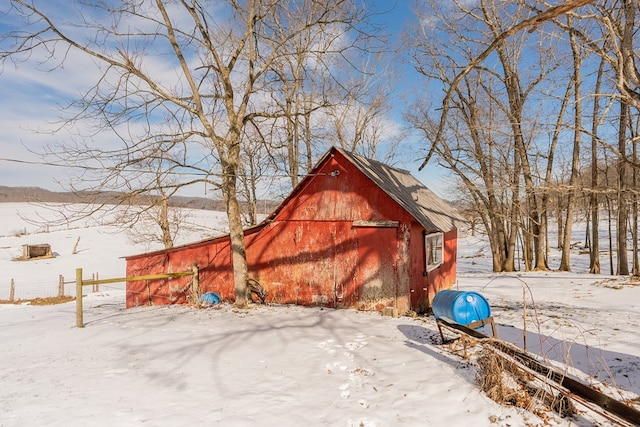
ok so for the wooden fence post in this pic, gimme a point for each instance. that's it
(80, 283)
(60, 286)
(79, 318)
(12, 290)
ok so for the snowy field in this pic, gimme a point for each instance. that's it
(99, 251)
(286, 366)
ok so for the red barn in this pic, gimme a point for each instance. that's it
(355, 233)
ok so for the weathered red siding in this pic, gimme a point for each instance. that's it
(339, 241)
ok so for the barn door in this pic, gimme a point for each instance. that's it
(345, 265)
(377, 268)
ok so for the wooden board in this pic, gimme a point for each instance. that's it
(607, 403)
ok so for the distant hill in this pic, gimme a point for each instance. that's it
(40, 195)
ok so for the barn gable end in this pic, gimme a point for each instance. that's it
(351, 235)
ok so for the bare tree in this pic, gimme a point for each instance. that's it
(618, 22)
(622, 209)
(635, 264)
(526, 24)
(358, 110)
(615, 44)
(254, 166)
(549, 185)
(327, 100)
(594, 254)
(216, 62)
(565, 262)
(488, 137)
(169, 222)
(302, 77)
(517, 96)
(480, 157)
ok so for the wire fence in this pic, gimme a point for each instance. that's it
(30, 291)
(14, 290)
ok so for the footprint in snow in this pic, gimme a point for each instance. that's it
(344, 391)
(327, 346)
(359, 342)
(355, 345)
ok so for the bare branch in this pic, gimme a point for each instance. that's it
(532, 23)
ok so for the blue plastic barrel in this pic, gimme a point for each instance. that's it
(210, 298)
(461, 307)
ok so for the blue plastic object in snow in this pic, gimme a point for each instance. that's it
(461, 307)
(210, 298)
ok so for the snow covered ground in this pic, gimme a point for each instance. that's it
(275, 365)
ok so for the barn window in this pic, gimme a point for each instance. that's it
(433, 245)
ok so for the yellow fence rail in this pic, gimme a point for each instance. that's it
(80, 283)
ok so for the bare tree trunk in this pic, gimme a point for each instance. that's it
(623, 215)
(308, 142)
(294, 163)
(516, 100)
(291, 127)
(236, 231)
(610, 227)
(565, 261)
(165, 226)
(513, 220)
(594, 253)
(511, 239)
(635, 269)
(548, 179)
(547, 241)
(527, 244)
(587, 230)
(560, 219)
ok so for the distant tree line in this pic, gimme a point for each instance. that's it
(41, 195)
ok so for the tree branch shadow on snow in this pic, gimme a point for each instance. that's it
(220, 341)
(594, 365)
(424, 339)
(102, 313)
(599, 365)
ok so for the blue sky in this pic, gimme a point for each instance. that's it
(30, 100)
